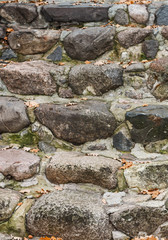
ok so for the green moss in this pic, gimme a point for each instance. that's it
(62, 145)
(24, 138)
(142, 57)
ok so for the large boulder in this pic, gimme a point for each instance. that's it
(13, 115)
(90, 43)
(69, 215)
(142, 217)
(73, 167)
(18, 164)
(76, 13)
(133, 36)
(8, 202)
(149, 123)
(162, 15)
(33, 41)
(19, 12)
(32, 77)
(77, 123)
(148, 176)
(138, 13)
(100, 78)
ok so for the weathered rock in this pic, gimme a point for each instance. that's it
(122, 143)
(158, 146)
(75, 13)
(137, 218)
(99, 147)
(18, 164)
(69, 215)
(162, 15)
(165, 32)
(31, 41)
(5, 237)
(133, 36)
(87, 44)
(160, 65)
(77, 123)
(2, 31)
(135, 67)
(47, 148)
(150, 48)
(66, 167)
(119, 236)
(13, 115)
(148, 176)
(121, 17)
(29, 77)
(138, 13)
(8, 201)
(113, 9)
(18, 12)
(65, 92)
(148, 124)
(162, 231)
(113, 199)
(8, 54)
(56, 55)
(100, 78)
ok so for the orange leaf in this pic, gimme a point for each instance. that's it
(19, 204)
(61, 64)
(30, 236)
(34, 150)
(87, 62)
(144, 105)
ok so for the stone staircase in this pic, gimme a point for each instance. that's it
(84, 120)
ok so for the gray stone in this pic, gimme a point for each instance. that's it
(165, 32)
(69, 215)
(5, 237)
(113, 199)
(18, 164)
(138, 13)
(162, 15)
(135, 67)
(119, 236)
(13, 115)
(8, 54)
(73, 167)
(77, 123)
(149, 123)
(45, 147)
(122, 143)
(113, 9)
(8, 202)
(121, 17)
(133, 36)
(158, 146)
(2, 31)
(99, 147)
(56, 55)
(145, 218)
(29, 77)
(18, 12)
(150, 48)
(65, 92)
(162, 231)
(31, 41)
(148, 176)
(90, 43)
(75, 13)
(100, 78)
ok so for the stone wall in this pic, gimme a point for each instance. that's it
(82, 87)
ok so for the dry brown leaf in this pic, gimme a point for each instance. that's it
(19, 204)
(104, 201)
(99, 63)
(144, 105)
(70, 104)
(34, 150)
(126, 164)
(25, 191)
(59, 188)
(61, 63)
(87, 62)
(31, 104)
(30, 236)
(153, 192)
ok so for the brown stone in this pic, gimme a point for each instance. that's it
(165, 32)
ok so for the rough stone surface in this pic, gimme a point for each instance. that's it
(79, 123)
(56, 55)
(100, 78)
(18, 164)
(69, 215)
(76, 13)
(134, 219)
(162, 15)
(113, 9)
(66, 167)
(135, 67)
(150, 48)
(162, 230)
(65, 92)
(5, 237)
(18, 12)
(8, 201)
(33, 41)
(13, 115)
(148, 176)
(119, 236)
(149, 123)
(160, 65)
(138, 13)
(8, 54)
(87, 44)
(133, 36)
(122, 143)
(2, 31)
(165, 32)
(121, 17)
(29, 77)
(158, 146)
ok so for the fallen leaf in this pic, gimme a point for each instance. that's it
(34, 150)
(30, 236)
(70, 104)
(126, 164)
(31, 104)
(61, 63)
(87, 62)
(104, 201)
(25, 191)
(19, 204)
(144, 105)
(153, 192)
(59, 188)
